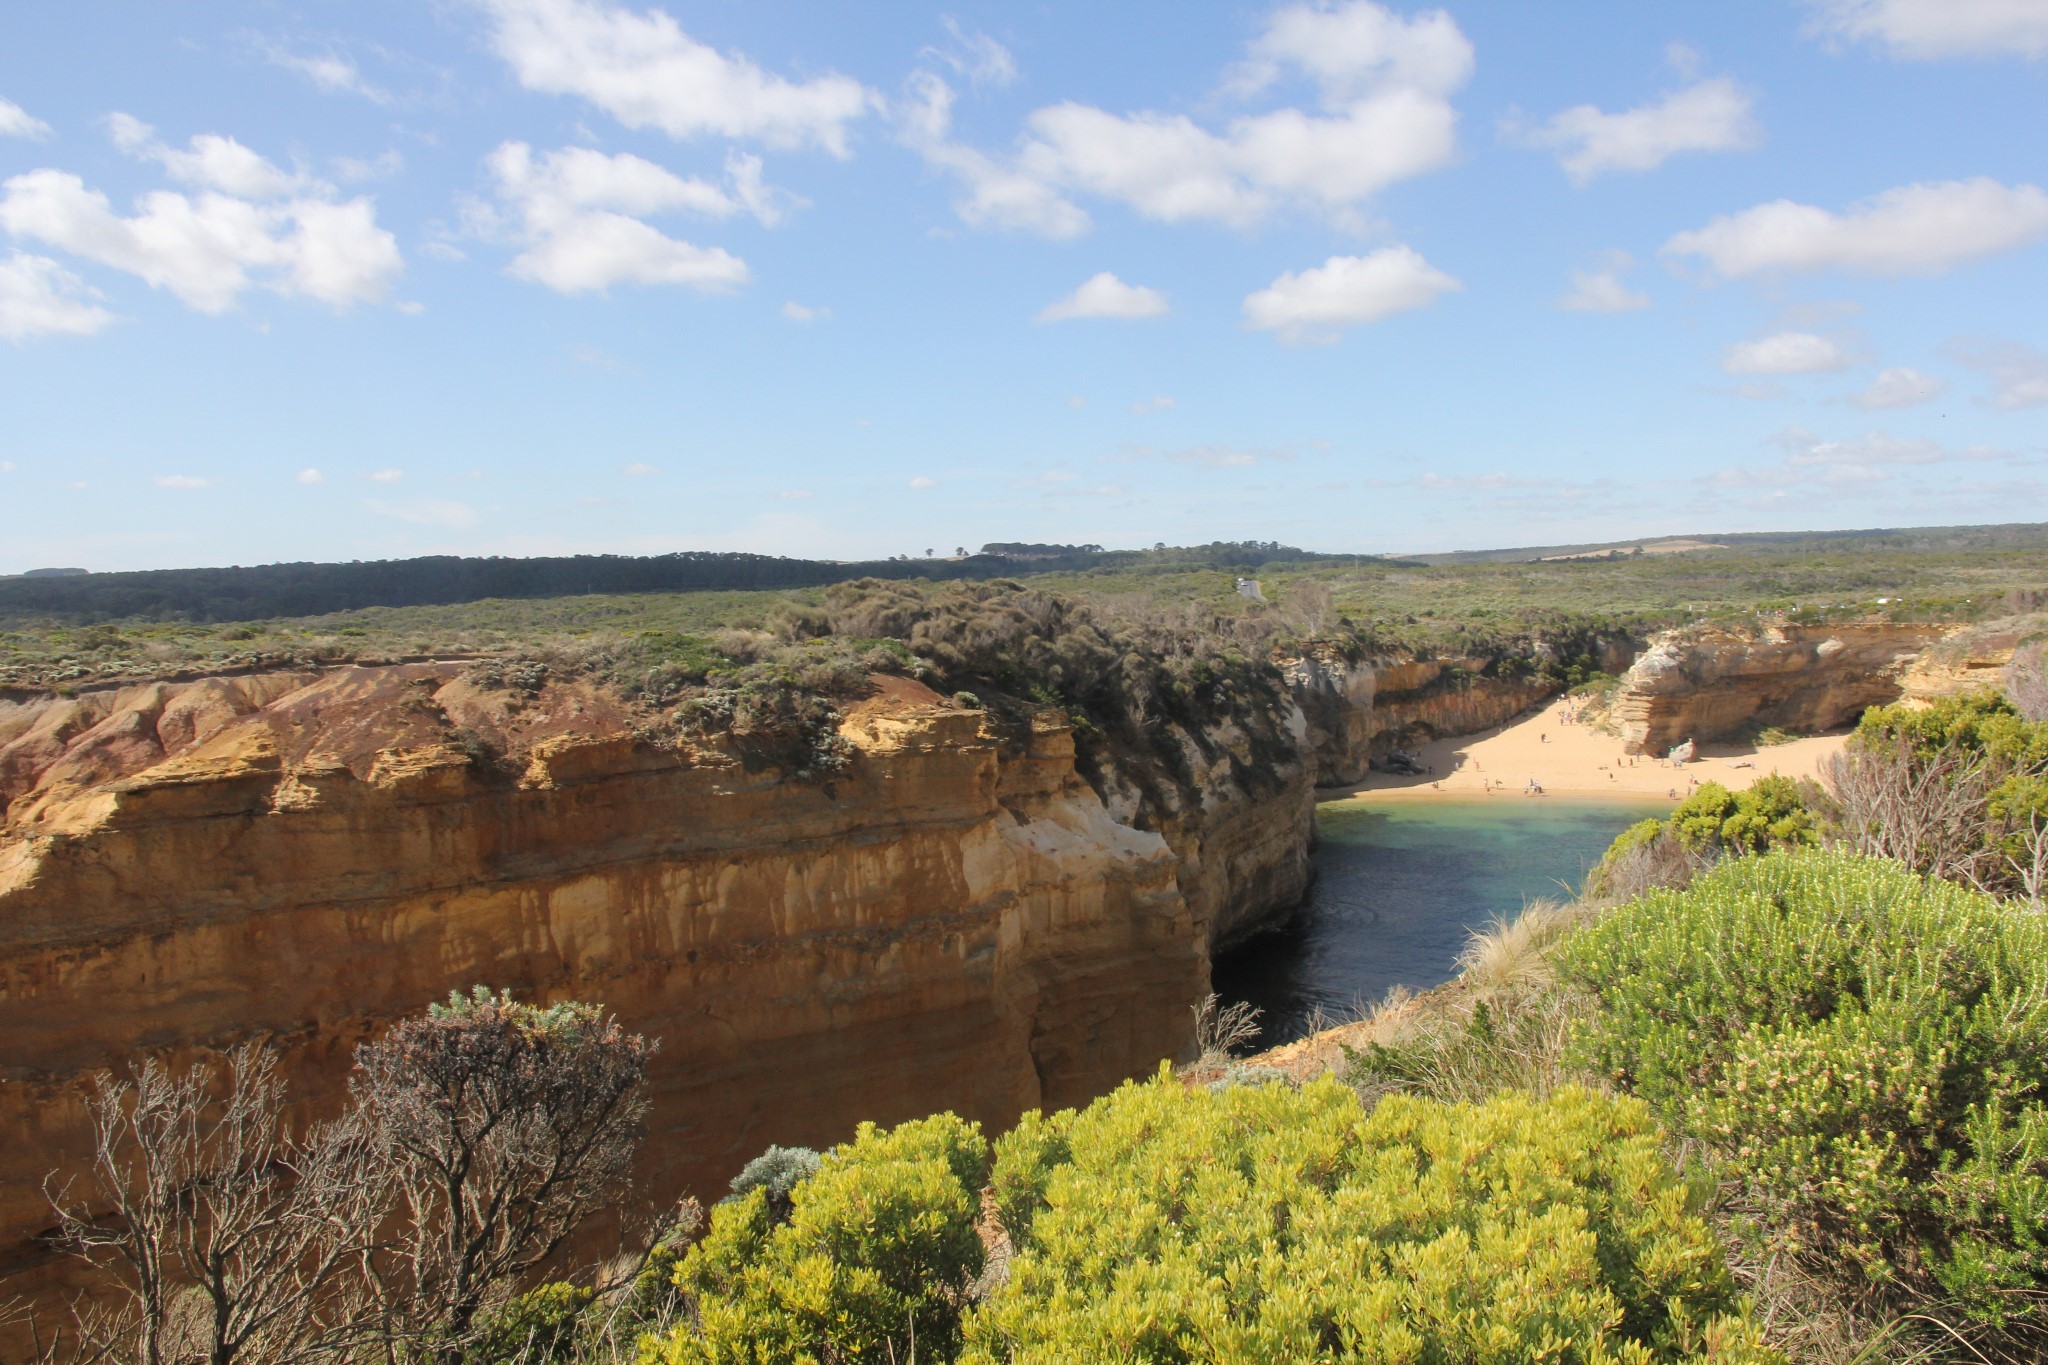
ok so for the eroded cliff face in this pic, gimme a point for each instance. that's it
(957, 920)
(1708, 682)
(1361, 710)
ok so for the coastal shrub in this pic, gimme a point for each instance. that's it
(1135, 676)
(779, 1170)
(1769, 814)
(1508, 1026)
(871, 1267)
(1709, 825)
(504, 1126)
(528, 1329)
(1865, 1050)
(1958, 789)
(1264, 1223)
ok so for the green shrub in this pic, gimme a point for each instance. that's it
(1708, 825)
(1979, 744)
(1167, 1223)
(1769, 814)
(877, 1254)
(1866, 1050)
(540, 1325)
(779, 1170)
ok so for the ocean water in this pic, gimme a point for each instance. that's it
(1400, 887)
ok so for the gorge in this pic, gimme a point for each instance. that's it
(974, 911)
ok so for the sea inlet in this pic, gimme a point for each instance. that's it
(1401, 885)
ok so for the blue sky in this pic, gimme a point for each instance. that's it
(337, 281)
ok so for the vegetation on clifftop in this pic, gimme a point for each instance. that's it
(1358, 605)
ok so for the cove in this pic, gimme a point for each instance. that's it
(1400, 886)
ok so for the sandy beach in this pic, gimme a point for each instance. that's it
(1570, 759)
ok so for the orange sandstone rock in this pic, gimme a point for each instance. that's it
(956, 921)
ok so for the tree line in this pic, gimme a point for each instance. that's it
(260, 592)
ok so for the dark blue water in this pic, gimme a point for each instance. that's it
(1400, 887)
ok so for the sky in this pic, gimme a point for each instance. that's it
(289, 280)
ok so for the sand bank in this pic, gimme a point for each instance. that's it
(1570, 759)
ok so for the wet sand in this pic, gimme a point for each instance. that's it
(1578, 761)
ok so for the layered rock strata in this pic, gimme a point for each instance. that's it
(1709, 682)
(956, 920)
(1361, 710)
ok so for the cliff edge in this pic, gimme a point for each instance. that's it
(956, 918)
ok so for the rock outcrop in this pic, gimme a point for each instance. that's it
(958, 919)
(1708, 682)
(1362, 710)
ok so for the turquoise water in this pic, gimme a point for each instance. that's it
(1401, 885)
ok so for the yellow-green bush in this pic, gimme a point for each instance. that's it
(875, 1255)
(1866, 1049)
(1253, 1224)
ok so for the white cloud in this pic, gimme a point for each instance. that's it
(328, 72)
(1912, 230)
(310, 475)
(1601, 291)
(999, 194)
(1928, 30)
(1343, 291)
(39, 297)
(795, 494)
(2019, 374)
(429, 513)
(208, 161)
(1711, 116)
(1353, 50)
(639, 471)
(1105, 296)
(643, 70)
(1076, 402)
(1865, 458)
(388, 476)
(1899, 387)
(975, 56)
(576, 212)
(185, 481)
(250, 223)
(1786, 353)
(6, 466)
(922, 482)
(797, 312)
(1383, 85)
(16, 121)
(1160, 403)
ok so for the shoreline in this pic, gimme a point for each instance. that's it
(1544, 748)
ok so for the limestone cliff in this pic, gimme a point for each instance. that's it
(1360, 710)
(1707, 682)
(957, 919)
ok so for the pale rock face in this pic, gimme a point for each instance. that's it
(1709, 682)
(1358, 711)
(956, 921)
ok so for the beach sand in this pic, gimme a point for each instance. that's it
(1579, 761)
